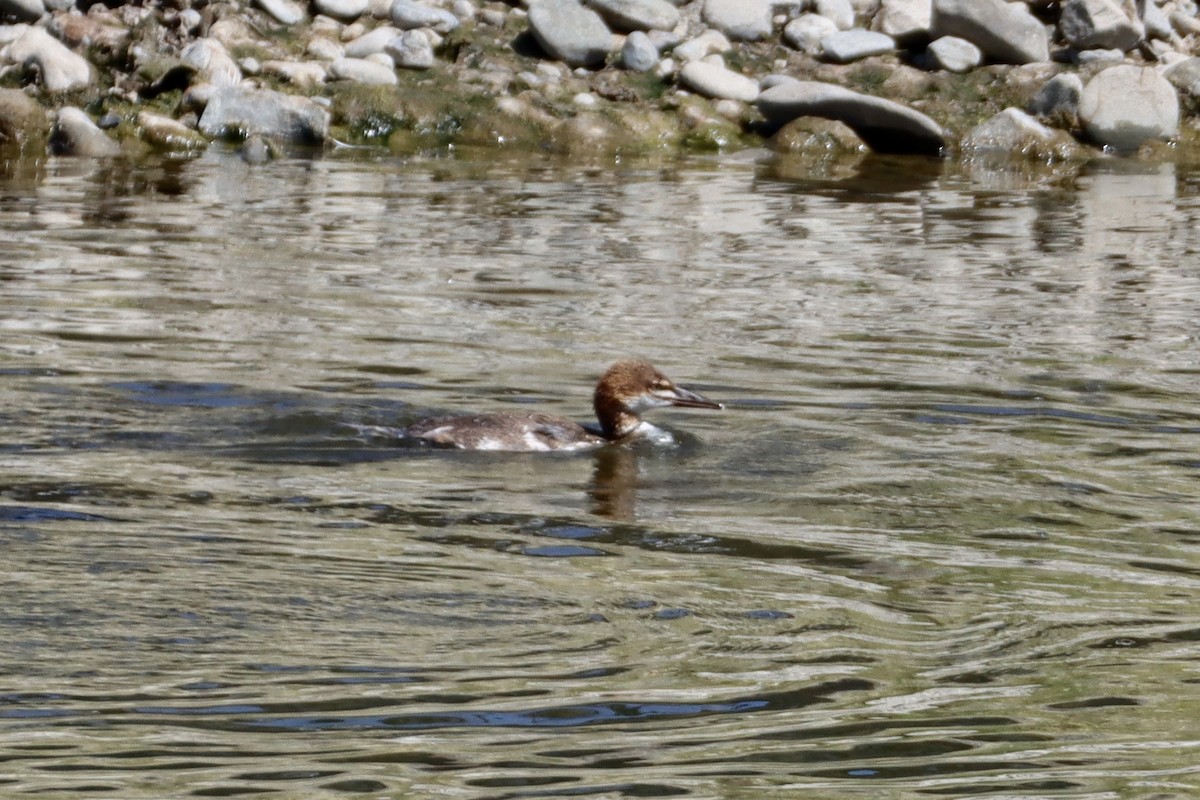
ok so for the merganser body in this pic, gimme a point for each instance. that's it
(625, 390)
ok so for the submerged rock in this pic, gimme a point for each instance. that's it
(885, 125)
(237, 113)
(23, 123)
(1013, 132)
(74, 134)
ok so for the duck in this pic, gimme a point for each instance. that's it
(625, 390)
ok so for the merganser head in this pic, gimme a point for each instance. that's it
(630, 387)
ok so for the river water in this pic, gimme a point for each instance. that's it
(944, 541)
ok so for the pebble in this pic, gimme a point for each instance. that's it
(703, 45)
(323, 49)
(639, 53)
(374, 42)
(284, 12)
(297, 73)
(839, 12)
(717, 81)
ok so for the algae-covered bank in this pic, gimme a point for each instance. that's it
(1041, 80)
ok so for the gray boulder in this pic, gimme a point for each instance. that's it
(236, 112)
(74, 134)
(1124, 106)
(1100, 24)
(884, 125)
(569, 32)
(744, 20)
(637, 15)
(1005, 32)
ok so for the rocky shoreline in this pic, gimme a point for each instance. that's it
(1042, 81)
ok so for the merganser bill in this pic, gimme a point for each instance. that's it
(625, 390)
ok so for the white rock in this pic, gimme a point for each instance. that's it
(705, 44)
(1126, 105)
(639, 53)
(297, 73)
(360, 70)
(744, 20)
(717, 81)
(905, 19)
(839, 12)
(852, 45)
(341, 9)
(806, 31)
(954, 54)
(408, 15)
(373, 42)
(411, 50)
(213, 62)
(324, 49)
(285, 12)
(59, 69)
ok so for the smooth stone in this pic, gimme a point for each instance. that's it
(297, 73)
(1012, 132)
(374, 42)
(22, 10)
(23, 122)
(408, 15)
(213, 61)
(1157, 25)
(742, 20)
(705, 44)
(718, 81)
(236, 111)
(1005, 32)
(637, 15)
(168, 134)
(639, 53)
(341, 9)
(1099, 56)
(815, 137)
(570, 33)
(59, 69)
(324, 49)
(285, 12)
(954, 54)
(74, 134)
(411, 50)
(806, 32)
(1058, 96)
(885, 125)
(904, 20)
(360, 70)
(1099, 25)
(853, 45)
(839, 12)
(1124, 106)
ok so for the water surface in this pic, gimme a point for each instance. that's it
(944, 541)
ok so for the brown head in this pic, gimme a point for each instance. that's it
(630, 387)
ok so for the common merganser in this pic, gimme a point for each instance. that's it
(623, 391)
